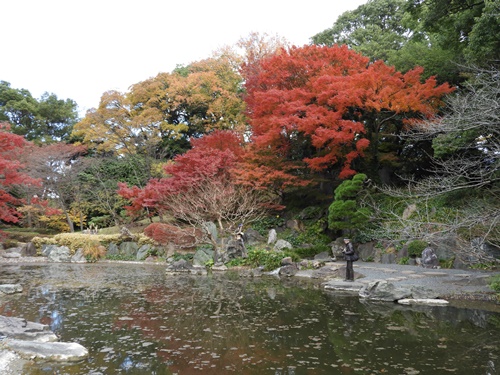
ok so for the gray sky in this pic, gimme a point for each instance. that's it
(79, 49)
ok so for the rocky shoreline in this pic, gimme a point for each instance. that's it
(456, 284)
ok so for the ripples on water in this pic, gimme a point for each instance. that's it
(135, 319)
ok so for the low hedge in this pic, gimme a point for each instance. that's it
(75, 241)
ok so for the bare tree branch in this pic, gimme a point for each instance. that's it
(467, 158)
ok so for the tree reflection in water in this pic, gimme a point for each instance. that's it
(135, 319)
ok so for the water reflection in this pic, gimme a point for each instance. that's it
(136, 320)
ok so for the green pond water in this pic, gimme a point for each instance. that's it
(135, 319)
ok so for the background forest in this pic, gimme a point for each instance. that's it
(386, 126)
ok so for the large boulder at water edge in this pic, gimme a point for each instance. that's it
(143, 252)
(78, 257)
(382, 290)
(56, 253)
(129, 249)
(29, 250)
(202, 256)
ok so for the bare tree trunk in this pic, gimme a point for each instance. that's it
(69, 221)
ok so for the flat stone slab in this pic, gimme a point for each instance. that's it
(346, 286)
(11, 255)
(49, 351)
(21, 329)
(423, 301)
(435, 273)
(11, 288)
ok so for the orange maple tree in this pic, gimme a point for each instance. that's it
(320, 108)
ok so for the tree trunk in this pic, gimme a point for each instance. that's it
(70, 222)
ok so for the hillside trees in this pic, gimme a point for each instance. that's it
(440, 36)
(46, 120)
(11, 173)
(374, 29)
(469, 28)
(322, 108)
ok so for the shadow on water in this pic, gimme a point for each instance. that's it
(135, 319)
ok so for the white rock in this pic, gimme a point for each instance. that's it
(54, 351)
(423, 301)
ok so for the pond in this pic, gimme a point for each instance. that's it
(135, 319)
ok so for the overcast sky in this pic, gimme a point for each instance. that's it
(79, 49)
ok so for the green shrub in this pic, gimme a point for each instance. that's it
(314, 233)
(187, 256)
(484, 266)
(209, 264)
(264, 225)
(448, 263)
(292, 238)
(310, 252)
(237, 262)
(270, 260)
(494, 283)
(403, 260)
(9, 243)
(346, 212)
(416, 247)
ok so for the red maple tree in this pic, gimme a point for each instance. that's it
(200, 188)
(11, 174)
(318, 108)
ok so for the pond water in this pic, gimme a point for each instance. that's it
(135, 319)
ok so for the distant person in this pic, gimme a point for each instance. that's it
(349, 256)
(241, 238)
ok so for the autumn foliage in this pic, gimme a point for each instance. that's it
(11, 174)
(201, 187)
(166, 233)
(160, 115)
(315, 108)
(211, 158)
